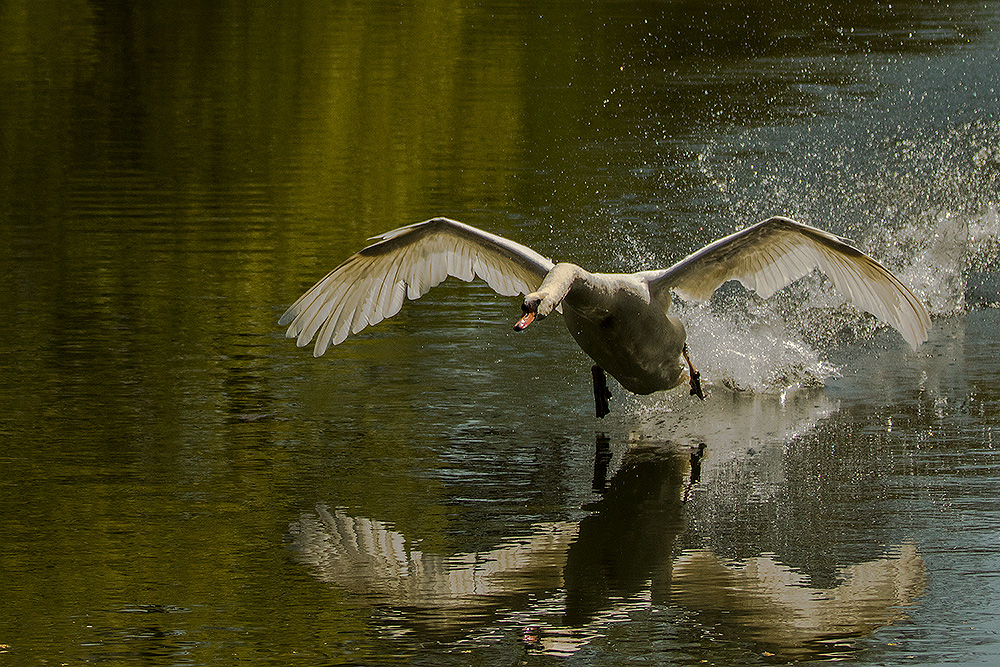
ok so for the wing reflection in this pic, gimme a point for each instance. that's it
(570, 582)
(775, 605)
(369, 558)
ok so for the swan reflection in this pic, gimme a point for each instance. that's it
(565, 583)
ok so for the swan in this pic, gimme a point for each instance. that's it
(621, 320)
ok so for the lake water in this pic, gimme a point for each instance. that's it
(180, 484)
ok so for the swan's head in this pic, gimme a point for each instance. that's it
(553, 289)
(535, 307)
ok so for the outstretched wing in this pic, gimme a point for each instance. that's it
(778, 251)
(406, 262)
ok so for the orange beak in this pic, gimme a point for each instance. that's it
(523, 323)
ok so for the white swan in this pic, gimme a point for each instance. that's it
(619, 319)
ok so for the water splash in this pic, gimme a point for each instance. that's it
(752, 349)
(928, 212)
(947, 248)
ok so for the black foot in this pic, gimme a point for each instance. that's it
(695, 375)
(601, 391)
(696, 385)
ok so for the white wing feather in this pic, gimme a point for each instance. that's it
(405, 263)
(778, 251)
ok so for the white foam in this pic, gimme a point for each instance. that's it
(759, 353)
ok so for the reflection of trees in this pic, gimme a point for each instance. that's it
(576, 579)
(357, 107)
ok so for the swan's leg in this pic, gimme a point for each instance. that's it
(601, 391)
(695, 376)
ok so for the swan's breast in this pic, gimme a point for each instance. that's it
(630, 338)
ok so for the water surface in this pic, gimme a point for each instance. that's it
(182, 485)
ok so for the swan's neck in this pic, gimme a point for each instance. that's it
(556, 286)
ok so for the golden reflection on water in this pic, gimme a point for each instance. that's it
(760, 600)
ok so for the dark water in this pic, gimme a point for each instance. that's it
(179, 484)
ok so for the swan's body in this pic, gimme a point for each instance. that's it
(622, 326)
(620, 320)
